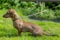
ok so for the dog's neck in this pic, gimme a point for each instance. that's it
(16, 18)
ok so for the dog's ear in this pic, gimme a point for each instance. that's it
(11, 12)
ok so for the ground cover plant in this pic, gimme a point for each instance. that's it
(8, 32)
(48, 20)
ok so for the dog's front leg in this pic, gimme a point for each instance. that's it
(19, 32)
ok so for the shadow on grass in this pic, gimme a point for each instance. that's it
(12, 34)
(28, 35)
(16, 35)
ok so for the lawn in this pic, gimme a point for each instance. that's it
(8, 32)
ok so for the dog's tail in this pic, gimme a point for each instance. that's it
(48, 34)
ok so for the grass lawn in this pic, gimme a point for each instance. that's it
(8, 32)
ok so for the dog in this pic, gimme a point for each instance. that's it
(21, 25)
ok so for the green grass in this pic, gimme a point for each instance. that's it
(8, 32)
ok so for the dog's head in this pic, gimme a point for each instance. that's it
(10, 13)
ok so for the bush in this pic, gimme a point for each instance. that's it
(29, 8)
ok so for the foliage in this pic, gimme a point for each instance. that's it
(8, 32)
(29, 8)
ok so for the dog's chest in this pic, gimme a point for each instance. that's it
(17, 24)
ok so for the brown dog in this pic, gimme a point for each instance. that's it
(21, 25)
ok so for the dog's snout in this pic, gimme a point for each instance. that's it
(4, 16)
